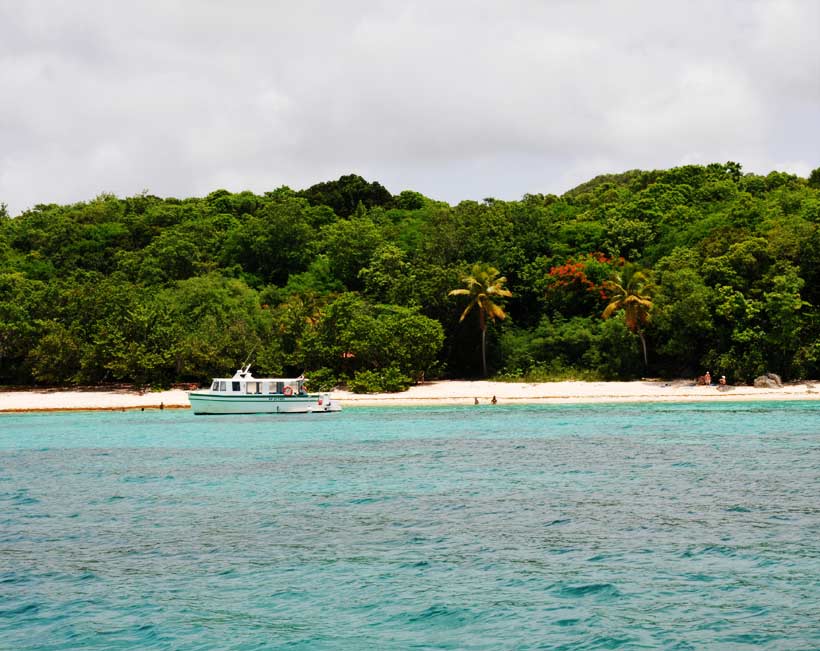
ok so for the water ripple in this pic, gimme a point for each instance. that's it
(606, 527)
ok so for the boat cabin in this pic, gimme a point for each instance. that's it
(244, 383)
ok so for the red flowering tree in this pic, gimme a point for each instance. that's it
(577, 286)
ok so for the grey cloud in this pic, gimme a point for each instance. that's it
(456, 100)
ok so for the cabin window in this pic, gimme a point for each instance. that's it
(280, 387)
(222, 385)
(215, 386)
(235, 386)
(253, 387)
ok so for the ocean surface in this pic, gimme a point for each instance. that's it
(689, 526)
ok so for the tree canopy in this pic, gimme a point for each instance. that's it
(350, 284)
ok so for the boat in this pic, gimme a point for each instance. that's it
(245, 394)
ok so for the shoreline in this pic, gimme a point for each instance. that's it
(442, 392)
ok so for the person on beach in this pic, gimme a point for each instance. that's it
(707, 378)
(476, 401)
(494, 401)
(722, 381)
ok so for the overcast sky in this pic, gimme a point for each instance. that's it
(457, 100)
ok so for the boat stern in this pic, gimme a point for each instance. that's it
(324, 403)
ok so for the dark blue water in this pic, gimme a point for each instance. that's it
(577, 527)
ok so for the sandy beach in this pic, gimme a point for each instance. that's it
(446, 392)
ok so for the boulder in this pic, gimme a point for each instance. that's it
(775, 378)
(766, 382)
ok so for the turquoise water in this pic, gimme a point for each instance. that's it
(576, 527)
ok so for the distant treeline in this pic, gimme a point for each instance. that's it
(349, 283)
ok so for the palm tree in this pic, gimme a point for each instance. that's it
(631, 291)
(482, 284)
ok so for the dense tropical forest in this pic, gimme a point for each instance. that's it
(646, 273)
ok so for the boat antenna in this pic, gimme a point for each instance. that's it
(246, 364)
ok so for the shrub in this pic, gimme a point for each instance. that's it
(323, 379)
(388, 380)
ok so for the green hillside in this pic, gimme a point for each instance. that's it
(710, 267)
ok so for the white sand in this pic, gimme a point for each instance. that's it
(67, 399)
(465, 393)
(431, 393)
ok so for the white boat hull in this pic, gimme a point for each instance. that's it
(208, 402)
